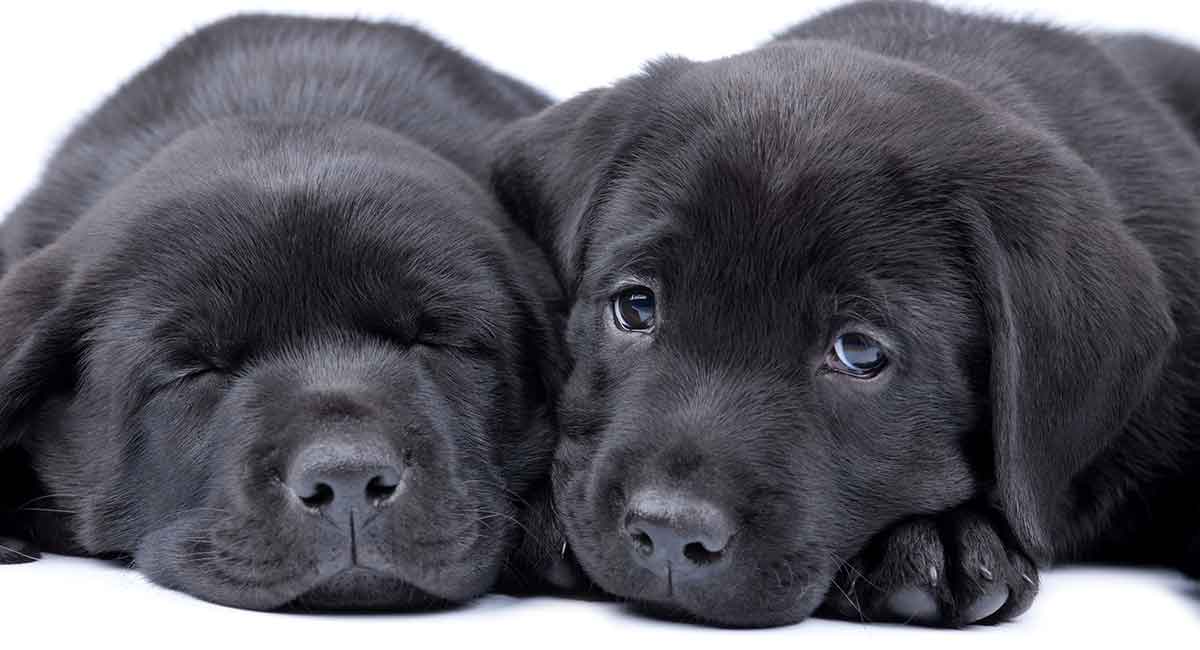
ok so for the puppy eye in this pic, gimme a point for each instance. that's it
(633, 309)
(857, 355)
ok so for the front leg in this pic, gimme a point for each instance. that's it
(949, 570)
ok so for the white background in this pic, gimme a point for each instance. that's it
(58, 60)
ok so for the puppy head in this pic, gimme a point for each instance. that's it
(814, 292)
(290, 365)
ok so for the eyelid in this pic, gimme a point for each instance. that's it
(614, 284)
(633, 281)
(859, 326)
(158, 382)
(484, 345)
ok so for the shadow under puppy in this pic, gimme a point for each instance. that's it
(881, 316)
(264, 329)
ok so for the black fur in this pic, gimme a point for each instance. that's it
(1012, 209)
(276, 236)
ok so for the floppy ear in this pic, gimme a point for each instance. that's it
(37, 335)
(1080, 326)
(545, 310)
(550, 169)
(547, 170)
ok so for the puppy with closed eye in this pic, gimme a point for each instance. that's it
(878, 317)
(265, 331)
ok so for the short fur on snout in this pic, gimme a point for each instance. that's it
(1008, 210)
(275, 248)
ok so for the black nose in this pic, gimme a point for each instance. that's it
(341, 477)
(677, 536)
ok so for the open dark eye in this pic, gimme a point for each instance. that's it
(857, 355)
(633, 309)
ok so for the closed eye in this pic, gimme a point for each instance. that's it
(179, 377)
(476, 347)
(459, 332)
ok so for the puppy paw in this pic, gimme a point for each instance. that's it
(948, 571)
(17, 551)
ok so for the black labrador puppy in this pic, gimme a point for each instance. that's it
(264, 330)
(882, 316)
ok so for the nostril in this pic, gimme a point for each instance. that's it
(320, 496)
(678, 536)
(642, 543)
(698, 554)
(380, 489)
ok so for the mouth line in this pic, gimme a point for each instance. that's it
(328, 521)
(355, 527)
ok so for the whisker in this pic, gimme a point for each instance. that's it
(56, 495)
(54, 510)
(16, 552)
(859, 574)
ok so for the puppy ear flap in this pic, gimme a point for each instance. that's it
(37, 335)
(549, 169)
(1080, 327)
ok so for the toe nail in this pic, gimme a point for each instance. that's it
(986, 573)
(914, 604)
(988, 604)
(933, 575)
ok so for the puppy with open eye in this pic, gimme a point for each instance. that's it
(878, 317)
(264, 330)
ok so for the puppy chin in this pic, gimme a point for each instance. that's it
(300, 586)
(673, 612)
(764, 598)
(363, 589)
(366, 589)
(720, 607)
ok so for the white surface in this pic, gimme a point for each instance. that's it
(58, 60)
(71, 603)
